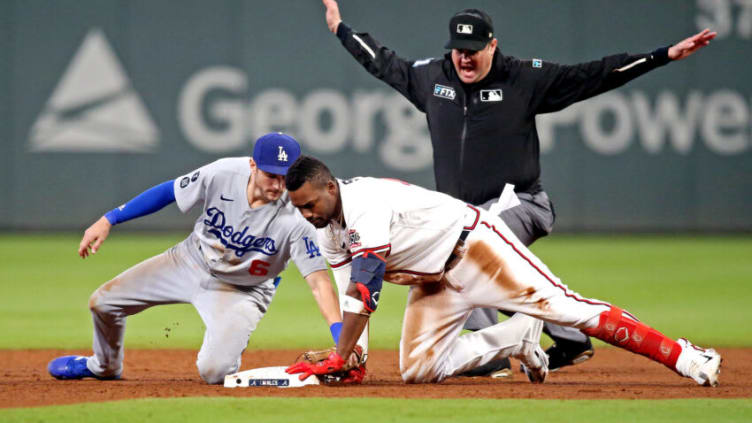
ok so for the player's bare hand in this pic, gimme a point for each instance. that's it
(690, 45)
(94, 236)
(332, 15)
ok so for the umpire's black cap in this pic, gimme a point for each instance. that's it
(470, 29)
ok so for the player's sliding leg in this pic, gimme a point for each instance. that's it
(430, 326)
(431, 348)
(498, 268)
(617, 327)
(518, 337)
(621, 329)
(482, 318)
(230, 314)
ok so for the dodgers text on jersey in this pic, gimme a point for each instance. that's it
(237, 240)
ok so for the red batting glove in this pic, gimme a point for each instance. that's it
(355, 376)
(332, 364)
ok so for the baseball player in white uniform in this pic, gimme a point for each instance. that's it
(455, 257)
(227, 268)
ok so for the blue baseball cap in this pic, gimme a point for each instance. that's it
(275, 152)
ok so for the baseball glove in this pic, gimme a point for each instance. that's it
(352, 372)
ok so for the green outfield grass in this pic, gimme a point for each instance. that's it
(326, 410)
(686, 286)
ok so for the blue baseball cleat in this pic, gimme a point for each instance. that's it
(73, 367)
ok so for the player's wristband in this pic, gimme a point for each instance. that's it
(335, 329)
(149, 201)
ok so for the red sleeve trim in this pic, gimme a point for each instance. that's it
(368, 252)
(340, 264)
(386, 249)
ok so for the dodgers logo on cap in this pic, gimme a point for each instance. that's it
(282, 156)
(275, 152)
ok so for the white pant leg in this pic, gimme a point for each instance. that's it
(230, 313)
(431, 348)
(498, 270)
(433, 320)
(512, 337)
(167, 278)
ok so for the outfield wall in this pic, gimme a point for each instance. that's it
(104, 98)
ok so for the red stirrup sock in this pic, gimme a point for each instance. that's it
(617, 329)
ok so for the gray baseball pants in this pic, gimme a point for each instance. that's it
(179, 275)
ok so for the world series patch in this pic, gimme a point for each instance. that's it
(354, 238)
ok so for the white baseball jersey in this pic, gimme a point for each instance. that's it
(413, 228)
(416, 230)
(239, 244)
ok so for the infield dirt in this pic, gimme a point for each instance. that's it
(612, 374)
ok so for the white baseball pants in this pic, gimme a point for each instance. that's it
(497, 271)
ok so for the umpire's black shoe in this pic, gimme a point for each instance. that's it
(568, 353)
(497, 369)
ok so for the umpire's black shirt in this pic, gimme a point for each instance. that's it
(484, 134)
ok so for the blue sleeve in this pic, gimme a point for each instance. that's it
(336, 329)
(149, 201)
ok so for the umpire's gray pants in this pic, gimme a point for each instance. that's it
(532, 219)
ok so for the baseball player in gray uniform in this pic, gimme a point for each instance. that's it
(227, 268)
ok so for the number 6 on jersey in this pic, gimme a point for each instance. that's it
(258, 268)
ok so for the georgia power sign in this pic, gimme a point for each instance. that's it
(95, 108)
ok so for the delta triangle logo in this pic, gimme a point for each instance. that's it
(94, 108)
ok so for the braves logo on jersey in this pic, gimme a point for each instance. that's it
(237, 240)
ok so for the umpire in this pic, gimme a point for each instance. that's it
(481, 106)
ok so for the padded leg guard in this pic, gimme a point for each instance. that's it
(617, 329)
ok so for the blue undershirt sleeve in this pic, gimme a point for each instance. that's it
(149, 201)
(336, 329)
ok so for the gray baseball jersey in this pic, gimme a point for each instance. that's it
(225, 269)
(241, 245)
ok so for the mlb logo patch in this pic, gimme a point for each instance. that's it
(444, 92)
(537, 63)
(464, 29)
(491, 95)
